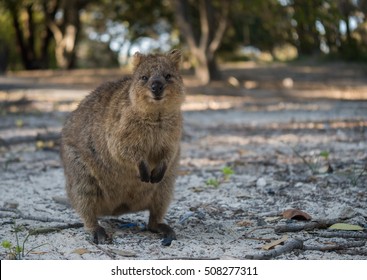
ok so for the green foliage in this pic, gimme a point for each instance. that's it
(18, 251)
(264, 24)
(213, 182)
(317, 164)
(324, 154)
(6, 244)
(226, 173)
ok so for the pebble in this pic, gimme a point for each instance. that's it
(261, 182)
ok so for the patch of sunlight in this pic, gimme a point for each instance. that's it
(206, 105)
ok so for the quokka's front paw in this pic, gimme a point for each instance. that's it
(158, 173)
(100, 236)
(144, 171)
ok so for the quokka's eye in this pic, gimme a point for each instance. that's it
(168, 77)
(144, 78)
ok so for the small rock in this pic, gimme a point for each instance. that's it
(261, 182)
(233, 82)
(288, 82)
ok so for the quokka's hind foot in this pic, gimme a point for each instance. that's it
(100, 236)
(168, 233)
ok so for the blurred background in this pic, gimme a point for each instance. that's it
(275, 114)
(69, 34)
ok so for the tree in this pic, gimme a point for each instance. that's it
(65, 29)
(305, 15)
(27, 22)
(203, 33)
(38, 23)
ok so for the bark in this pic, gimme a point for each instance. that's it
(23, 48)
(32, 58)
(203, 46)
(66, 33)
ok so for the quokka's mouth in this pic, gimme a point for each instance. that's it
(158, 98)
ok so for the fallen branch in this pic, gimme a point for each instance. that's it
(106, 251)
(353, 252)
(288, 246)
(342, 246)
(45, 230)
(343, 234)
(20, 215)
(293, 227)
(294, 244)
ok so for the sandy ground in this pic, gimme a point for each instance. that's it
(293, 136)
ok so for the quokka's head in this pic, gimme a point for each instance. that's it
(157, 82)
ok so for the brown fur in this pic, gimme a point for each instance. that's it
(120, 147)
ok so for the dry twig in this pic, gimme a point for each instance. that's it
(288, 246)
(293, 227)
(293, 244)
(45, 230)
(343, 234)
(19, 215)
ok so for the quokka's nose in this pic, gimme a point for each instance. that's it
(157, 88)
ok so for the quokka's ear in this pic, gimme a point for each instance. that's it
(137, 59)
(175, 56)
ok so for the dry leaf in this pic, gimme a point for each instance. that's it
(184, 172)
(81, 251)
(274, 243)
(342, 226)
(244, 223)
(296, 214)
(123, 253)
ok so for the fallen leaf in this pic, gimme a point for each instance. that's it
(274, 243)
(296, 214)
(40, 144)
(184, 172)
(19, 123)
(123, 253)
(244, 223)
(342, 226)
(81, 251)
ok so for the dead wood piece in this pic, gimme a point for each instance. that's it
(341, 246)
(343, 234)
(20, 215)
(45, 230)
(294, 227)
(6, 209)
(353, 252)
(289, 246)
(106, 251)
(293, 244)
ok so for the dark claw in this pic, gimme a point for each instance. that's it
(158, 173)
(168, 233)
(100, 236)
(144, 172)
(167, 241)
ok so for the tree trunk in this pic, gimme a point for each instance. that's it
(66, 34)
(203, 46)
(32, 58)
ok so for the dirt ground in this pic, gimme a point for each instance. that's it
(269, 138)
